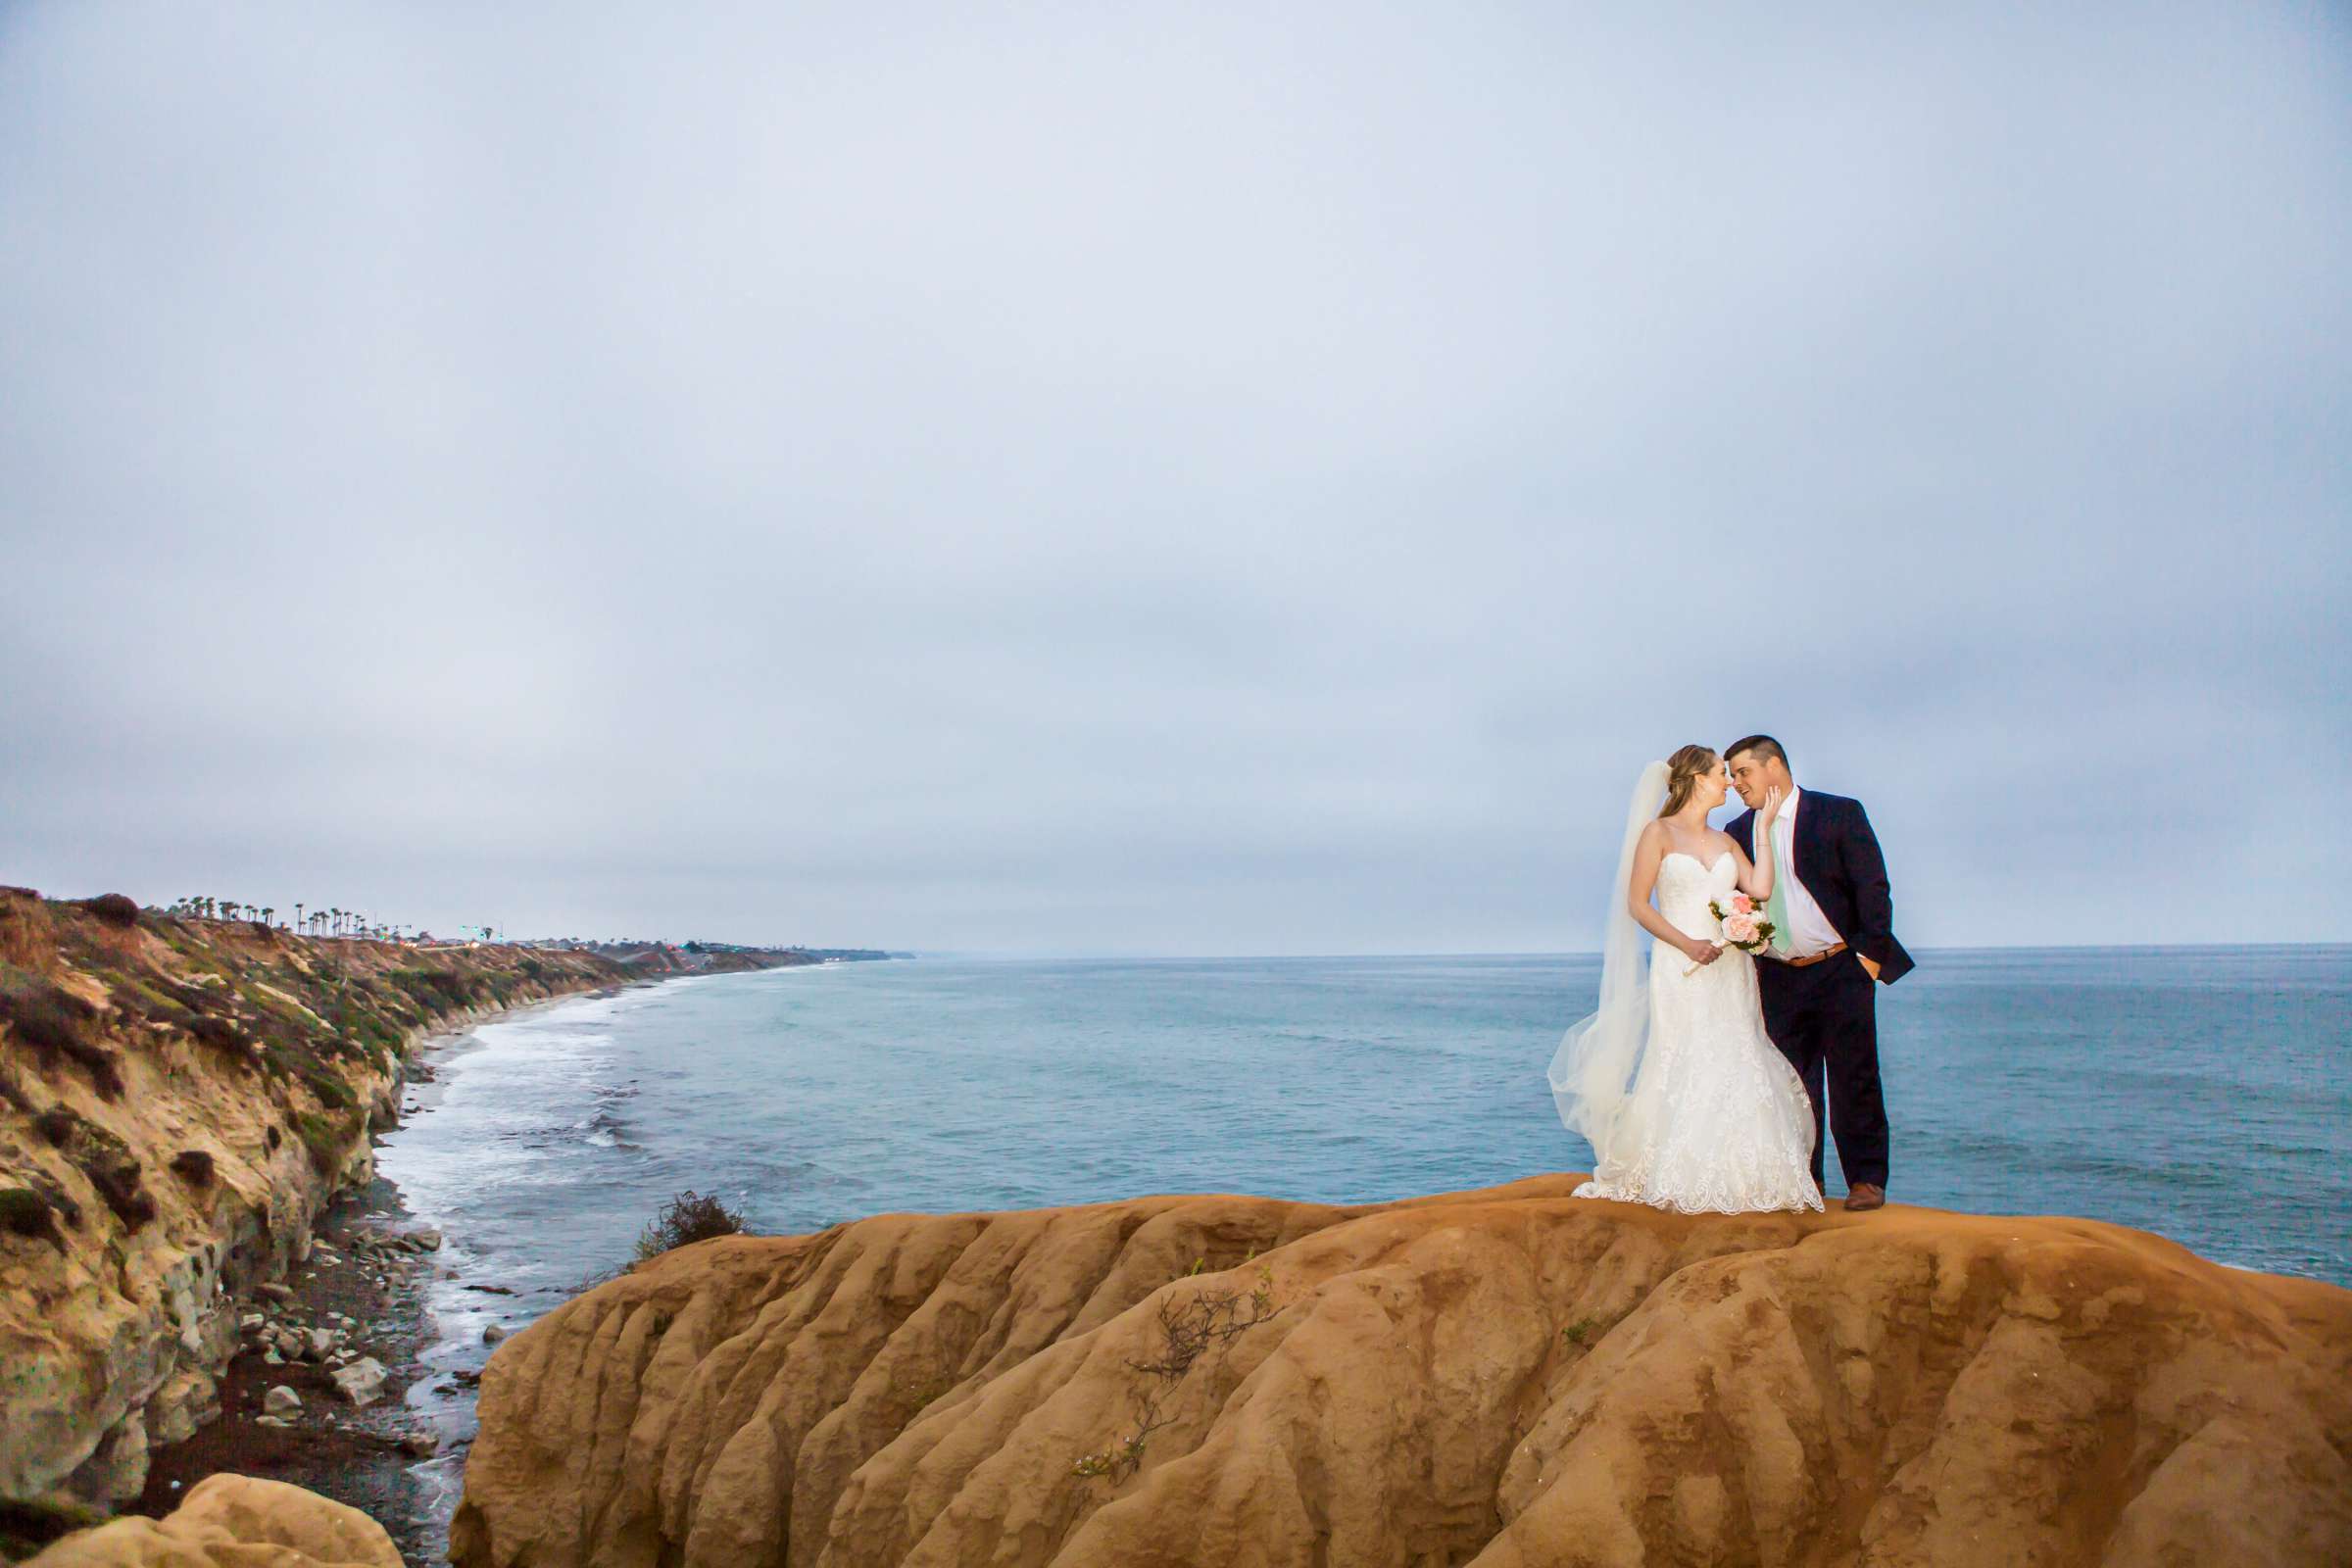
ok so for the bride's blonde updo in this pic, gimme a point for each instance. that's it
(1684, 769)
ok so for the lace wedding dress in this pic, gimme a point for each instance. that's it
(1683, 1097)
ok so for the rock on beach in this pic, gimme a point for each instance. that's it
(361, 1382)
(233, 1521)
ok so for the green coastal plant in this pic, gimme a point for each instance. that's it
(151, 1004)
(437, 990)
(325, 1139)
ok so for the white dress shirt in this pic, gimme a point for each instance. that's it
(1809, 930)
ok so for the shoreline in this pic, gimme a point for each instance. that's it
(188, 1106)
(390, 1459)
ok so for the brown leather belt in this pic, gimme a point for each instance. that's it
(1815, 957)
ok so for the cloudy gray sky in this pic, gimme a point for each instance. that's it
(1179, 480)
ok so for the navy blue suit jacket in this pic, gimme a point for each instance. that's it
(1837, 859)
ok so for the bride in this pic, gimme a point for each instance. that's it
(1685, 1101)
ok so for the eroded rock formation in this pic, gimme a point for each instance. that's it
(1506, 1377)
(232, 1521)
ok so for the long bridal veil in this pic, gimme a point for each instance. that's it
(1599, 1058)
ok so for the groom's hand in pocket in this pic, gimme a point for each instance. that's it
(1869, 968)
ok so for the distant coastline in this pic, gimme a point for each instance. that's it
(185, 1099)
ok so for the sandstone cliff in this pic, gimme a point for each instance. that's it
(1506, 1377)
(178, 1101)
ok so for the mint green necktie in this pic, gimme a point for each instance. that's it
(1776, 907)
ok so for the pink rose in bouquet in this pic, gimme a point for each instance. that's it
(1743, 926)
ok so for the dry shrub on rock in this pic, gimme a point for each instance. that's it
(116, 909)
(687, 1218)
(56, 1025)
(26, 1212)
(27, 937)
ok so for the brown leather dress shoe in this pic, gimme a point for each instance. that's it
(1865, 1195)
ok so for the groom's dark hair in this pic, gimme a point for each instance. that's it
(1764, 745)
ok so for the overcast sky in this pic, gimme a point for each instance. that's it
(1170, 479)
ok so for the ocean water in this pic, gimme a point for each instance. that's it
(2202, 1094)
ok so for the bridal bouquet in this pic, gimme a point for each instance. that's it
(1743, 924)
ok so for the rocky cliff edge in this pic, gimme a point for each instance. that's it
(1507, 1377)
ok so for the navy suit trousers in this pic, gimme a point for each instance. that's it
(1824, 1017)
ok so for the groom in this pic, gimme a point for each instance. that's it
(1835, 941)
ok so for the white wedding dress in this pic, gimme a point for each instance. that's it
(1685, 1101)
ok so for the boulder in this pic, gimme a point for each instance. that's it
(362, 1382)
(232, 1521)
